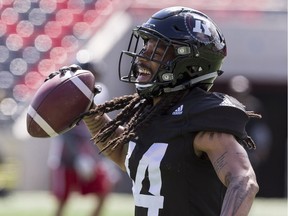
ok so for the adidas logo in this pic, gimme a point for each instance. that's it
(227, 102)
(178, 111)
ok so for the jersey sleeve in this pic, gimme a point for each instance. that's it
(225, 119)
(219, 113)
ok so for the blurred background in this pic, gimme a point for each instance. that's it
(38, 37)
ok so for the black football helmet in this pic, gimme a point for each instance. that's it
(199, 51)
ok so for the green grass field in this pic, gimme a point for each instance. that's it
(43, 204)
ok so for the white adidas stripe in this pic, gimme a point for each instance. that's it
(178, 111)
(41, 122)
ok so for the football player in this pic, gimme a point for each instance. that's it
(76, 167)
(182, 145)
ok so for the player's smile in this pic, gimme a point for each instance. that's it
(143, 74)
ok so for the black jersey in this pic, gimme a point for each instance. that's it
(168, 178)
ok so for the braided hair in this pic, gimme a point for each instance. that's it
(136, 112)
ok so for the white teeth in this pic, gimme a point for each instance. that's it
(144, 71)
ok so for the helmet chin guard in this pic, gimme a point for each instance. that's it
(198, 44)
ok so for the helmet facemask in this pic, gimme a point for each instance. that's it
(164, 76)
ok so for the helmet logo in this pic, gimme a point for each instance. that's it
(200, 28)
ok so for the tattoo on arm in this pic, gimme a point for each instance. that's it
(220, 162)
(235, 194)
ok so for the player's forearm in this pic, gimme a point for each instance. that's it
(239, 196)
(94, 124)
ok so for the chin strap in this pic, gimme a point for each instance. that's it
(193, 82)
(142, 87)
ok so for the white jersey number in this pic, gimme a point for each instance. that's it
(150, 161)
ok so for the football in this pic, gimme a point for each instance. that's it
(59, 101)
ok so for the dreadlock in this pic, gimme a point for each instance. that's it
(136, 113)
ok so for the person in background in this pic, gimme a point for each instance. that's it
(76, 166)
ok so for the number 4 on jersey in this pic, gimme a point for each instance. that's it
(150, 161)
